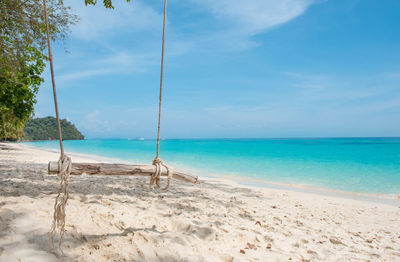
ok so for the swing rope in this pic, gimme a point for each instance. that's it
(157, 161)
(64, 162)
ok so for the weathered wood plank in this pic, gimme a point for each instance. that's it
(119, 170)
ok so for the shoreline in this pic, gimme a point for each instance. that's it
(236, 180)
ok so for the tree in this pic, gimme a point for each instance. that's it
(22, 26)
(46, 129)
(18, 94)
(22, 58)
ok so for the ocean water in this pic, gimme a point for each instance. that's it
(362, 165)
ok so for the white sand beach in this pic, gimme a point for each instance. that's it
(120, 219)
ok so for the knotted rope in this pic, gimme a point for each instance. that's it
(156, 177)
(64, 163)
(64, 170)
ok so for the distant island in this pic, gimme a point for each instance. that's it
(46, 129)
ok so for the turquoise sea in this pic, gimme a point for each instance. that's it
(363, 165)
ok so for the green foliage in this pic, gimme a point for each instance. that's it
(106, 3)
(22, 61)
(22, 27)
(46, 129)
(18, 94)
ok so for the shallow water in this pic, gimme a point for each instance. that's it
(365, 165)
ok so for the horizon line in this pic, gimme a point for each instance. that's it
(237, 138)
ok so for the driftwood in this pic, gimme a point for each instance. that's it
(119, 170)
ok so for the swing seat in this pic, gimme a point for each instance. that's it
(120, 170)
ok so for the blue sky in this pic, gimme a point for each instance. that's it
(255, 68)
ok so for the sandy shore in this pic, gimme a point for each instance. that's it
(121, 219)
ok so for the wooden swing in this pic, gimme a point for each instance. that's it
(115, 169)
(119, 170)
(64, 167)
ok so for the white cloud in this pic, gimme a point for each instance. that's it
(254, 16)
(82, 74)
(238, 21)
(93, 122)
(128, 62)
(113, 64)
(235, 20)
(99, 22)
(109, 29)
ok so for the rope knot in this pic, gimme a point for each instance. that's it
(156, 177)
(157, 160)
(64, 166)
